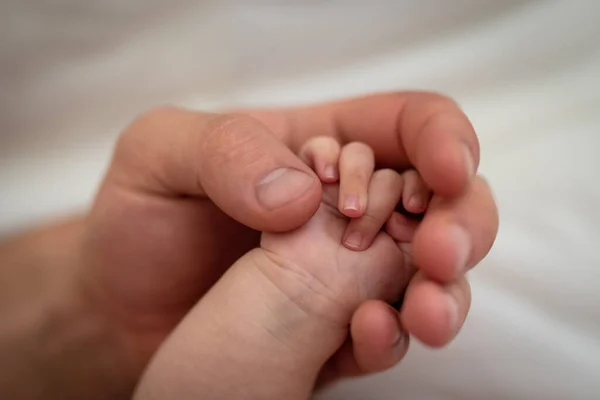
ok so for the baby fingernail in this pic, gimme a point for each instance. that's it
(415, 202)
(351, 203)
(354, 240)
(330, 173)
(462, 244)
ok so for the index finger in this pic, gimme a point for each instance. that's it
(425, 130)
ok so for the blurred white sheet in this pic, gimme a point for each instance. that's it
(527, 72)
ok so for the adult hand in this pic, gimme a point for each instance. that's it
(187, 193)
(159, 235)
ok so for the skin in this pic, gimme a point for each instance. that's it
(295, 297)
(182, 201)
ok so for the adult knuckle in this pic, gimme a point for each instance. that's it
(133, 143)
(232, 138)
(429, 110)
(158, 112)
(152, 120)
(150, 123)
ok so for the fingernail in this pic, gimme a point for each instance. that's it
(415, 203)
(399, 348)
(398, 337)
(452, 310)
(351, 203)
(282, 186)
(469, 162)
(330, 173)
(462, 245)
(354, 240)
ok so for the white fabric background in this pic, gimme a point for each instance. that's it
(73, 74)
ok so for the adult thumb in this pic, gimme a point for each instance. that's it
(232, 159)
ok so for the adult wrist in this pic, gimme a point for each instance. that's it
(52, 345)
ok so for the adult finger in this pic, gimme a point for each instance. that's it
(232, 159)
(379, 342)
(456, 233)
(425, 130)
(433, 312)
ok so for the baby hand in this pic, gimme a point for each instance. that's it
(363, 197)
(342, 257)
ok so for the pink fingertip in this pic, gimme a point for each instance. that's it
(330, 174)
(353, 241)
(351, 206)
(415, 204)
